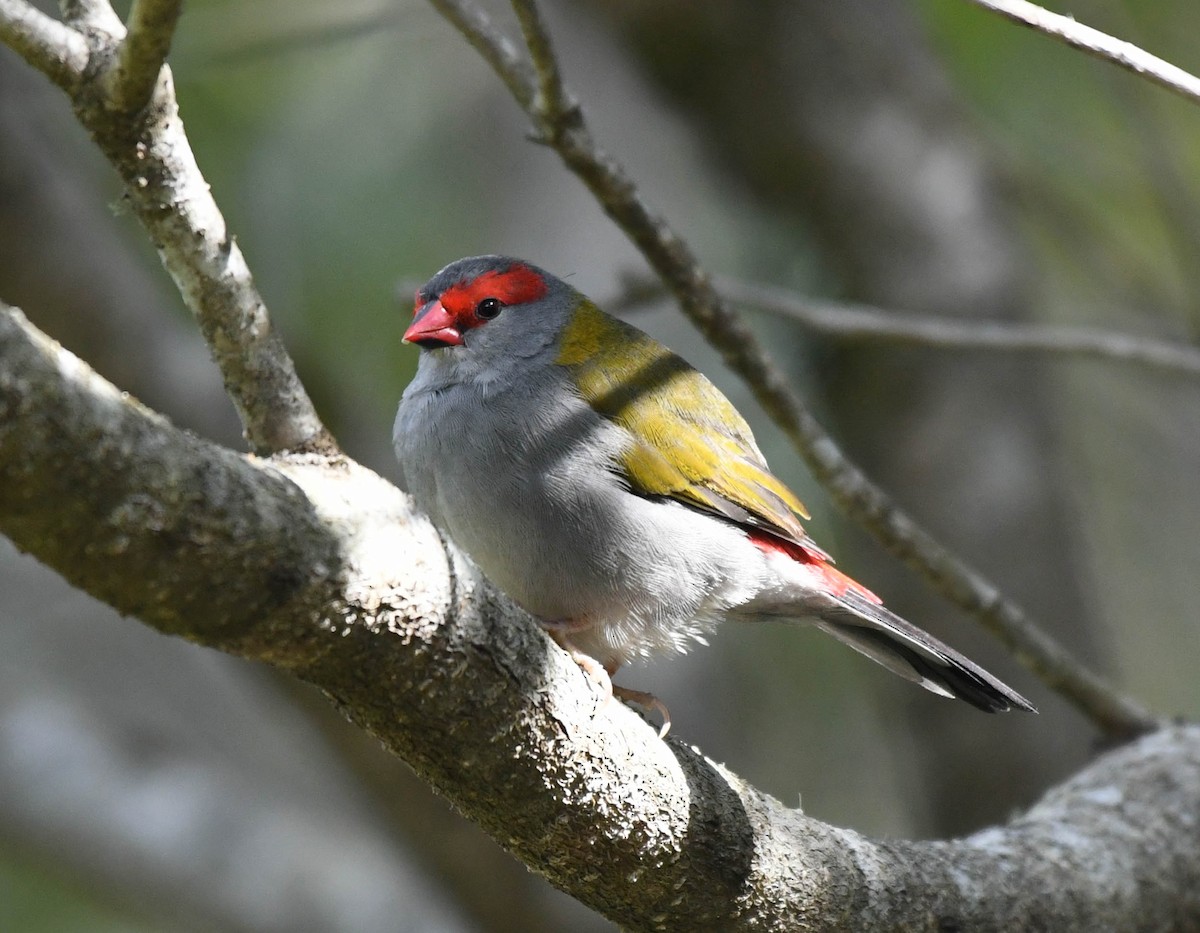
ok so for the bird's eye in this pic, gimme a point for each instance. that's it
(488, 308)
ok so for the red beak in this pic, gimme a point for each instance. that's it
(434, 327)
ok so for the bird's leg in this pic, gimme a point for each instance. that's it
(561, 632)
(592, 669)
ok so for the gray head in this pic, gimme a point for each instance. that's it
(490, 306)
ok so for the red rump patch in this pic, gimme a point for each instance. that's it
(837, 581)
(512, 286)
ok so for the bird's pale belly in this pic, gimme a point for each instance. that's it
(561, 561)
(625, 572)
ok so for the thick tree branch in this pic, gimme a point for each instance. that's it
(168, 194)
(77, 507)
(326, 571)
(566, 131)
(1098, 44)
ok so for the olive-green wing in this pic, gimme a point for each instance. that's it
(690, 443)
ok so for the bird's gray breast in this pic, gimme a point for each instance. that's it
(521, 476)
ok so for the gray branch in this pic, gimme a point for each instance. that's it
(169, 195)
(1098, 44)
(91, 14)
(862, 323)
(140, 57)
(849, 322)
(326, 571)
(52, 48)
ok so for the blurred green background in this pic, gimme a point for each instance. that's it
(921, 156)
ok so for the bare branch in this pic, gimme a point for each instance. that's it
(1098, 44)
(858, 323)
(202, 498)
(1115, 714)
(852, 322)
(553, 99)
(673, 260)
(327, 572)
(54, 49)
(169, 195)
(141, 55)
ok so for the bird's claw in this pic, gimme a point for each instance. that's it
(596, 672)
(646, 701)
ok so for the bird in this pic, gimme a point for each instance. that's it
(614, 493)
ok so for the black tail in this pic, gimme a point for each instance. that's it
(904, 649)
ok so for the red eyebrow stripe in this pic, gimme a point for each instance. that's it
(513, 286)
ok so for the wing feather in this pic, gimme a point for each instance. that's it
(688, 441)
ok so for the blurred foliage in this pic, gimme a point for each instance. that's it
(34, 902)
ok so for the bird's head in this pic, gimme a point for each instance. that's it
(488, 302)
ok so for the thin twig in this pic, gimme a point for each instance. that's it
(675, 263)
(552, 95)
(853, 322)
(140, 57)
(1098, 44)
(54, 49)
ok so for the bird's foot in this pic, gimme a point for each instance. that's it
(647, 701)
(601, 676)
(592, 669)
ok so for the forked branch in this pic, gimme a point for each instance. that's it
(129, 107)
(142, 54)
